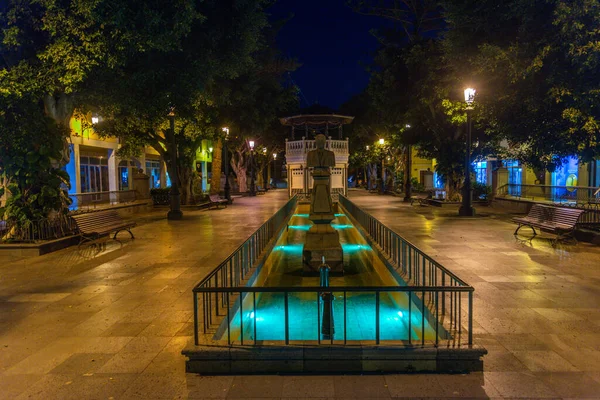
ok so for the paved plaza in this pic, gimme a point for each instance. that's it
(81, 325)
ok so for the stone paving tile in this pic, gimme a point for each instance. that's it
(571, 385)
(544, 360)
(361, 386)
(520, 385)
(308, 386)
(256, 386)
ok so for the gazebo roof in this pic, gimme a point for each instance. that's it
(316, 119)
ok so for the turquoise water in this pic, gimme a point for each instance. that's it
(362, 267)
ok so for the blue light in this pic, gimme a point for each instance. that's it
(300, 227)
(341, 226)
(301, 215)
(339, 215)
(290, 248)
(352, 248)
(400, 314)
(252, 314)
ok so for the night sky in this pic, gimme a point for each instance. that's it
(332, 43)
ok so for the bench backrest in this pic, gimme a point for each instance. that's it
(567, 216)
(560, 215)
(92, 222)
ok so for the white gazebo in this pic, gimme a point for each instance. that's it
(308, 126)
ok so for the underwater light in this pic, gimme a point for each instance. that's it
(400, 314)
(289, 248)
(341, 226)
(300, 227)
(301, 215)
(355, 247)
(252, 314)
(339, 215)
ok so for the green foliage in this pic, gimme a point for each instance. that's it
(160, 196)
(481, 191)
(534, 64)
(29, 145)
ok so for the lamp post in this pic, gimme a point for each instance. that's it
(407, 182)
(274, 170)
(368, 175)
(175, 211)
(466, 209)
(227, 188)
(252, 187)
(382, 143)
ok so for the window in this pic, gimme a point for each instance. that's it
(153, 169)
(515, 177)
(481, 172)
(93, 172)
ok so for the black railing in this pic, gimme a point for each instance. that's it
(417, 268)
(434, 294)
(223, 313)
(580, 197)
(38, 230)
(234, 270)
(85, 201)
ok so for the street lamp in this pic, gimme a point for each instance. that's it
(407, 171)
(252, 187)
(274, 170)
(466, 209)
(175, 211)
(382, 142)
(227, 188)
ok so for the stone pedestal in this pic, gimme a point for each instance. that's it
(322, 241)
(141, 183)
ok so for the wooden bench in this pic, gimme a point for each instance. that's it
(423, 199)
(91, 226)
(558, 220)
(216, 201)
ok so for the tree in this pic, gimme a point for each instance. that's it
(535, 64)
(27, 150)
(136, 97)
(50, 48)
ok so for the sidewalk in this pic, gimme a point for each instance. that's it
(536, 307)
(113, 325)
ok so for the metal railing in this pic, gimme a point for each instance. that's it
(433, 291)
(234, 269)
(421, 272)
(582, 197)
(35, 231)
(83, 201)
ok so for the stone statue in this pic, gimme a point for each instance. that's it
(322, 240)
(321, 160)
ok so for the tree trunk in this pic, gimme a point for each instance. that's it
(453, 186)
(372, 170)
(60, 108)
(407, 174)
(260, 177)
(238, 165)
(215, 182)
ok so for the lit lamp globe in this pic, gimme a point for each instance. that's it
(382, 141)
(469, 96)
(251, 143)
